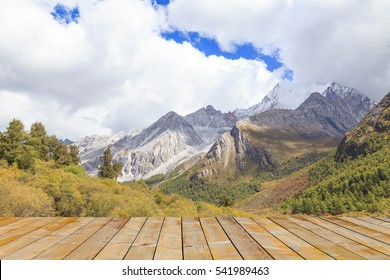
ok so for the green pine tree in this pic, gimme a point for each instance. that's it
(106, 168)
(14, 146)
(39, 140)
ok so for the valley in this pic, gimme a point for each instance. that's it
(308, 159)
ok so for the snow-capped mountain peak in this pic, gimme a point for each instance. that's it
(288, 95)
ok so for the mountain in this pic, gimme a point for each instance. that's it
(274, 136)
(209, 123)
(370, 135)
(287, 95)
(315, 122)
(66, 142)
(355, 177)
(159, 148)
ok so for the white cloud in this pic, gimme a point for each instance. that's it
(331, 40)
(112, 71)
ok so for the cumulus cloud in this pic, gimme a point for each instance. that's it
(111, 70)
(343, 41)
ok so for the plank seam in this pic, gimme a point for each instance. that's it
(330, 239)
(253, 238)
(349, 237)
(158, 238)
(304, 239)
(278, 239)
(10, 232)
(40, 238)
(231, 241)
(63, 238)
(135, 238)
(207, 242)
(111, 238)
(372, 237)
(86, 239)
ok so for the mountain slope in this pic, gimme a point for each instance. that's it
(286, 95)
(269, 138)
(370, 135)
(355, 178)
(159, 148)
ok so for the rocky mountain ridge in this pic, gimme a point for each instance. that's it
(287, 95)
(273, 136)
(160, 147)
(174, 139)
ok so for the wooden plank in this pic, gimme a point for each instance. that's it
(348, 244)
(219, 243)
(17, 224)
(360, 229)
(44, 243)
(369, 225)
(362, 239)
(249, 249)
(170, 245)
(300, 246)
(145, 244)
(5, 220)
(375, 221)
(330, 248)
(277, 249)
(63, 248)
(11, 247)
(385, 219)
(90, 248)
(24, 229)
(194, 242)
(120, 244)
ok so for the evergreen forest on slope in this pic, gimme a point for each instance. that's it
(41, 176)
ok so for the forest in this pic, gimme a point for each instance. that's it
(41, 176)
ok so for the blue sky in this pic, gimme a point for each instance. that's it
(65, 15)
(162, 2)
(99, 67)
(210, 46)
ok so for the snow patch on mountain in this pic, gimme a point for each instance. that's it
(285, 95)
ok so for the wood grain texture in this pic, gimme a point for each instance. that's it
(219, 243)
(375, 221)
(276, 248)
(5, 221)
(63, 248)
(194, 242)
(222, 238)
(12, 232)
(351, 245)
(330, 248)
(145, 244)
(366, 224)
(249, 249)
(90, 248)
(170, 243)
(359, 238)
(10, 249)
(299, 245)
(121, 243)
(360, 229)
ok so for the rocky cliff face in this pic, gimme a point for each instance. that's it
(159, 148)
(286, 95)
(210, 123)
(275, 135)
(270, 135)
(370, 135)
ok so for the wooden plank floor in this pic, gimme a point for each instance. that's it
(222, 238)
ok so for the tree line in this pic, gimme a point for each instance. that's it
(21, 149)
